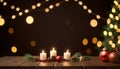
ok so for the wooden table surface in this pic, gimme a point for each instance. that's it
(13, 62)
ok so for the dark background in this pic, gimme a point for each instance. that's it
(63, 28)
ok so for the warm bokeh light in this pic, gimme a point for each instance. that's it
(104, 33)
(113, 45)
(110, 33)
(13, 16)
(29, 19)
(110, 42)
(57, 4)
(94, 40)
(33, 7)
(14, 49)
(99, 44)
(38, 4)
(20, 13)
(115, 2)
(108, 21)
(17, 9)
(93, 23)
(33, 43)
(0, 16)
(89, 11)
(1, 0)
(115, 27)
(51, 6)
(98, 16)
(118, 14)
(47, 10)
(118, 37)
(85, 41)
(113, 10)
(26, 10)
(10, 30)
(84, 7)
(12, 7)
(118, 30)
(80, 3)
(4, 3)
(111, 26)
(119, 41)
(2, 21)
(88, 51)
(116, 17)
(111, 16)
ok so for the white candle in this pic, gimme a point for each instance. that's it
(67, 54)
(43, 55)
(53, 52)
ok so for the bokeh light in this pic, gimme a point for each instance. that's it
(12, 7)
(4, 3)
(115, 2)
(26, 10)
(111, 26)
(113, 10)
(93, 23)
(111, 16)
(98, 16)
(1, 0)
(108, 21)
(116, 17)
(115, 27)
(33, 7)
(38, 4)
(94, 40)
(13, 16)
(33, 43)
(110, 42)
(13, 49)
(118, 37)
(104, 33)
(29, 20)
(57, 4)
(110, 33)
(10, 30)
(46, 0)
(118, 30)
(66, 0)
(51, 6)
(113, 45)
(2, 21)
(85, 41)
(119, 41)
(99, 44)
(80, 3)
(47, 10)
(89, 11)
(17, 9)
(20, 13)
(84, 7)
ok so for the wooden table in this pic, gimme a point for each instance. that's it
(17, 62)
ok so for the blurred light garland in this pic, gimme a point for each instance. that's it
(47, 9)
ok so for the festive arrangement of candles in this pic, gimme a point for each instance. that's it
(53, 53)
(54, 57)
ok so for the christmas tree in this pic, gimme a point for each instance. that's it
(111, 31)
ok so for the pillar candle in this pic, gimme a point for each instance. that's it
(67, 54)
(53, 52)
(43, 55)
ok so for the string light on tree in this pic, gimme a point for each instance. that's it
(105, 33)
(29, 20)
(47, 10)
(1, 0)
(2, 21)
(4, 3)
(51, 6)
(38, 4)
(13, 16)
(17, 9)
(89, 11)
(84, 7)
(57, 4)
(12, 7)
(26, 10)
(80, 3)
(33, 7)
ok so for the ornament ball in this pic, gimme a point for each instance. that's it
(113, 57)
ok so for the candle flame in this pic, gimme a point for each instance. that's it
(67, 51)
(53, 49)
(43, 51)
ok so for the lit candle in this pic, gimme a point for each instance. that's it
(53, 52)
(67, 54)
(43, 55)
